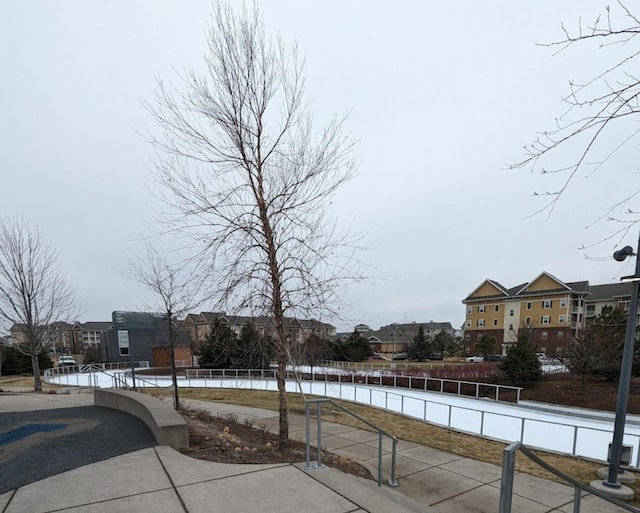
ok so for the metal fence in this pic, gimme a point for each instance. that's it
(424, 383)
(508, 473)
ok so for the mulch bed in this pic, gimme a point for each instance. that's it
(226, 440)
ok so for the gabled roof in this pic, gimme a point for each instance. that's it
(500, 290)
(543, 274)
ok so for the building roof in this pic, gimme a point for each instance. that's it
(609, 291)
(94, 325)
(519, 291)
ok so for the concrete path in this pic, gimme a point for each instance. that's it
(160, 479)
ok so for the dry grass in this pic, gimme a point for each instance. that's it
(23, 381)
(412, 430)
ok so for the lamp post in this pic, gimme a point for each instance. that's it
(612, 480)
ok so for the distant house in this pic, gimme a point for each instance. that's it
(397, 337)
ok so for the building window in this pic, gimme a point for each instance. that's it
(544, 335)
(467, 336)
(563, 302)
(469, 309)
(480, 308)
(527, 321)
(528, 305)
(510, 327)
(547, 303)
(468, 324)
(546, 319)
(512, 312)
(543, 350)
(480, 323)
(496, 308)
(123, 342)
(560, 335)
(562, 319)
(559, 352)
(495, 322)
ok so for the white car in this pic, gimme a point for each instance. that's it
(66, 361)
(475, 359)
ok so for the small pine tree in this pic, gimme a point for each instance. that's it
(521, 366)
(220, 349)
(443, 343)
(355, 348)
(486, 345)
(421, 348)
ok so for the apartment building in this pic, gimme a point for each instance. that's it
(554, 311)
(199, 326)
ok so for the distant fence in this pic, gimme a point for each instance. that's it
(93, 367)
(424, 383)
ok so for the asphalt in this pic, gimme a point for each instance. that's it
(159, 479)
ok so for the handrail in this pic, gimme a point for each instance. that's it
(318, 402)
(508, 471)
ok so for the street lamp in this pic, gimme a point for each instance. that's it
(612, 480)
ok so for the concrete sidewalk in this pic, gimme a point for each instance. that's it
(160, 479)
(445, 482)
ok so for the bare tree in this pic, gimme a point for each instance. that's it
(176, 289)
(243, 172)
(33, 289)
(601, 115)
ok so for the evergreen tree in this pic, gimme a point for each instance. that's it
(598, 349)
(443, 343)
(354, 349)
(521, 366)
(421, 348)
(15, 362)
(253, 351)
(220, 348)
(486, 345)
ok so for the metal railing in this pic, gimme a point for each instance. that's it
(380, 365)
(508, 473)
(381, 432)
(93, 367)
(423, 383)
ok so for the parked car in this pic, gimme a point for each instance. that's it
(66, 361)
(475, 359)
(494, 358)
(400, 356)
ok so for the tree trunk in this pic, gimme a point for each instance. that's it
(35, 365)
(174, 374)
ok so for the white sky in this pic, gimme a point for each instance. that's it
(443, 95)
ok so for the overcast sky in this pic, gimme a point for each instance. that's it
(442, 95)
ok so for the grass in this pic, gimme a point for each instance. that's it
(24, 381)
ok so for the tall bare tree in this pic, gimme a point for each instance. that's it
(34, 291)
(601, 113)
(241, 169)
(175, 288)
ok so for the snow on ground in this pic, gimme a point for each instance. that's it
(566, 433)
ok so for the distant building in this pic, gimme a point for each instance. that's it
(553, 311)
(199, 326)
(143, 336)
(397, 337)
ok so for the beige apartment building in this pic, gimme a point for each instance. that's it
(554, 311)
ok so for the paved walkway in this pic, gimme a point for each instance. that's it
(159, 479)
